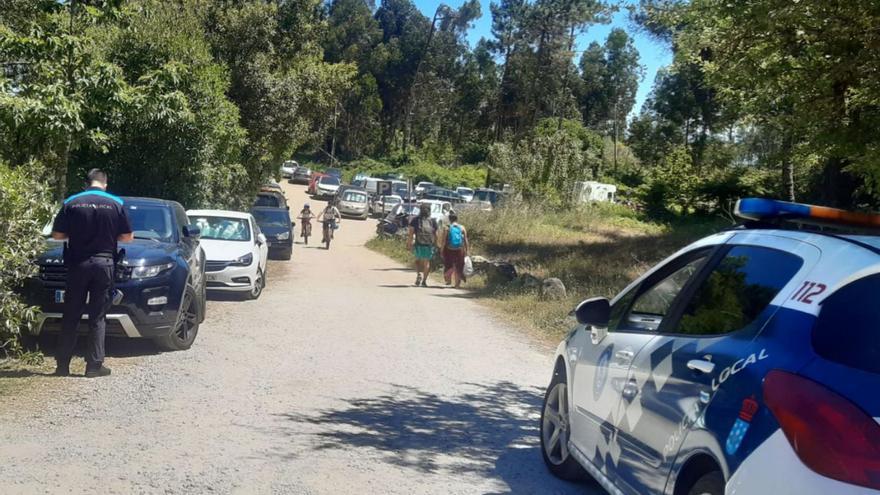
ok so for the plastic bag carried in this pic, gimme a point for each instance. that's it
(468, 267)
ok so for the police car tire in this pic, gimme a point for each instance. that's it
(709, 484)
(569, 469)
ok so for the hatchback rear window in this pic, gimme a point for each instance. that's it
(846, 331)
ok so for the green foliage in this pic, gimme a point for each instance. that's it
(548, 162)
(671, 185)
(24, 209)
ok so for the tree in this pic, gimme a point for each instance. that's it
(55, 83)
(808, 66)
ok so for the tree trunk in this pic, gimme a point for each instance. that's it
(787, 168)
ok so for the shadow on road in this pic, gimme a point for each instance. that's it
(491, 430)
(117, 347)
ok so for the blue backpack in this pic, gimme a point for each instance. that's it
(456, 237)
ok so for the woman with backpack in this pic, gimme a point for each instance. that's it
(421, 240)
(454, 248)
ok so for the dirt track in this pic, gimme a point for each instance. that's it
(341, 379)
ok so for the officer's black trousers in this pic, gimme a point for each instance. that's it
(92, 277)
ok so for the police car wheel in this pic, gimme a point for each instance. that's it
(709, 484)
(555, 432)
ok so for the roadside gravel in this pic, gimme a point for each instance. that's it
(341, 379)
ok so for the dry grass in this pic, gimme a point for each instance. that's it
(595, 251)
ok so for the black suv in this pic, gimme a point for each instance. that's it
(278, 229)
(161, 278)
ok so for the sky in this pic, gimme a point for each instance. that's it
(653, 55)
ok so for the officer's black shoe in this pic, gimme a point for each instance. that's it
(97, 371)
(62, 369)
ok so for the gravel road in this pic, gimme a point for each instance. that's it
(341, 378)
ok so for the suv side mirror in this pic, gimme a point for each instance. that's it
(192, 231)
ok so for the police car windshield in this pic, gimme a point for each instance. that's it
(223, 228)
(150, 222)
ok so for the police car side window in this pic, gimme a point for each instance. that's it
(737, 290)
(645, 306)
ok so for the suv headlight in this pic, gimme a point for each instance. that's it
(150, 271)
(283, 236)
(245, 260)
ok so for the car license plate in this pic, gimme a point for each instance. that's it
(59, 296)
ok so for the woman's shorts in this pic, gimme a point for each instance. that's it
(423, 252)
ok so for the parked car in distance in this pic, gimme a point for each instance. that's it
(466, 193)
(441, 194)
(276, 225)
(301, 175)
(354, 203)
(744, 363)
(313, 182)
(382, 205)
(272, 186)
(349, 187)
(439, 209)
(161, 279)
(422, 186)
(287, 168)
(485, 198)
(326, 187)
(334, 172)
(235, 249)
(271, 199)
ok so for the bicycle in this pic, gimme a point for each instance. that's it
(329, 227)
(306, 229)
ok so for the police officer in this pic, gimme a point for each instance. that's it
(91, 222)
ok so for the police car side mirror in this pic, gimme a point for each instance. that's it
(192, 231)
(594, 312)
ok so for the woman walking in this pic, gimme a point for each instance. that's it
(454, 248)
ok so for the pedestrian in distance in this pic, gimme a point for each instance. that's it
(91, 222)
(454, 247)
(421, 240)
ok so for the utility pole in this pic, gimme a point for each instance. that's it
(409, 102)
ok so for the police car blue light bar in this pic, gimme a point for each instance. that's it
(771, 209)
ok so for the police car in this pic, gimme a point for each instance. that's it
(746, 363)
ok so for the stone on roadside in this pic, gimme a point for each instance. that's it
(553, 288)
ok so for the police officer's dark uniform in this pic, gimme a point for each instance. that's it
(93, 220)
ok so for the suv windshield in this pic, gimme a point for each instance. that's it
(150, 222)
(269, 200)
(223, 228)
(846, 330)
(330, 180)
(271, 218)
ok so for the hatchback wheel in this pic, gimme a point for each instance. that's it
(187, 326)
(259, 285)
(555, 431)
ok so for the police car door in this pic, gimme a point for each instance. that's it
(602, 367)
(706, 341)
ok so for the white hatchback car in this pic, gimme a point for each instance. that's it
(235, 251)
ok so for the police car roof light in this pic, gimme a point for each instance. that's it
(770, 209)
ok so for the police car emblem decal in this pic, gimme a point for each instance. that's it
(741, 426)
(601, 372)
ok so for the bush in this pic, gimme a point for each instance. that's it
(24, 208)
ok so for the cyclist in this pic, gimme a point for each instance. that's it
(330, 217)
(306, 216)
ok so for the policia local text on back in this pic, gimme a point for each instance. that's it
(92, 222)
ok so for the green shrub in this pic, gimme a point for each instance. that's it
(24, 208)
